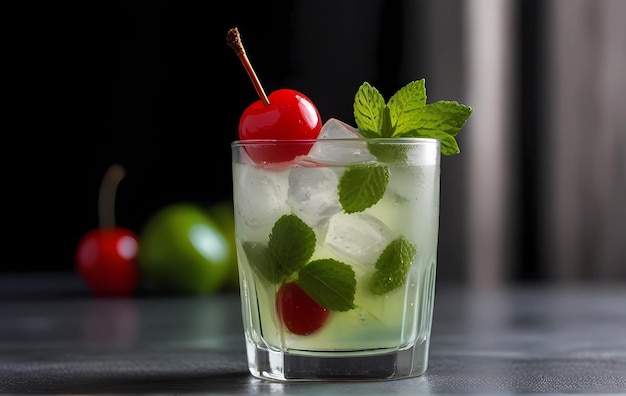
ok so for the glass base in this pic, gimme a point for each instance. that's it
(338, 366)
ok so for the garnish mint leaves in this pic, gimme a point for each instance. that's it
(446, 116)
(447, 143)
(291, 245)
(332, 284)
(361, 186)
(407, 114)
(404, 103)
(392, 266)
(369, 106)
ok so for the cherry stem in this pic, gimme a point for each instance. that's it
(233, 38)
(106, 196)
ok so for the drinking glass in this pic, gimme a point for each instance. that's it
(337, 253)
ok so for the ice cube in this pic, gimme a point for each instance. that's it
(345, 152)
(358, 237)
(260, 195)
(335, 129)
(312, 194)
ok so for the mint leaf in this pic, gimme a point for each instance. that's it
(447, 142)
(387, 129)
(259, 259)
(404, 103)
(391, 153)
(368, 108)
(445, 116)
(392, 266)
(408, 115)
(331, 283)
(361, 186)
(290, 246)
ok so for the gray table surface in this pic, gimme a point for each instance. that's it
(55, 338)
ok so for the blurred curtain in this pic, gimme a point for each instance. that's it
(584, 184)
(572, 213)
(489, 38)
(539, 189)
(434, 48)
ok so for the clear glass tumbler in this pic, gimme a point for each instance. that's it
(337, 253)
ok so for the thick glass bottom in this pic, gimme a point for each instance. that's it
(338, 366)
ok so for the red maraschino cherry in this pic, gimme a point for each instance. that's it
(299, 312)
(286, 115)
(105, 257)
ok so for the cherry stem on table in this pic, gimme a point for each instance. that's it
(106, 196)
(233, 38)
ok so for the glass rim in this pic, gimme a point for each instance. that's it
(385, 140)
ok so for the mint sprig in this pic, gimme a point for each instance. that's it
(329, 282)
(407, 114)
(392, 266)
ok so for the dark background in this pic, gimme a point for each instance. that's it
(150, 85)
(153, 86)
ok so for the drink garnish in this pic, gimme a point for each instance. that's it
(259, 258)
(361, 186)
(392, 266)
(291, 245)
(407, 114)
(329, 282)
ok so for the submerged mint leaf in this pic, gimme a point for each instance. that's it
(259, 259)
(291, 245)
(361, 186)
(392, 266)
(331, 283)
(368, 108)
(391, 153)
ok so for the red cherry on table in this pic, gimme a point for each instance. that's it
(299, 312)
(105, 257)
(106, 261)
